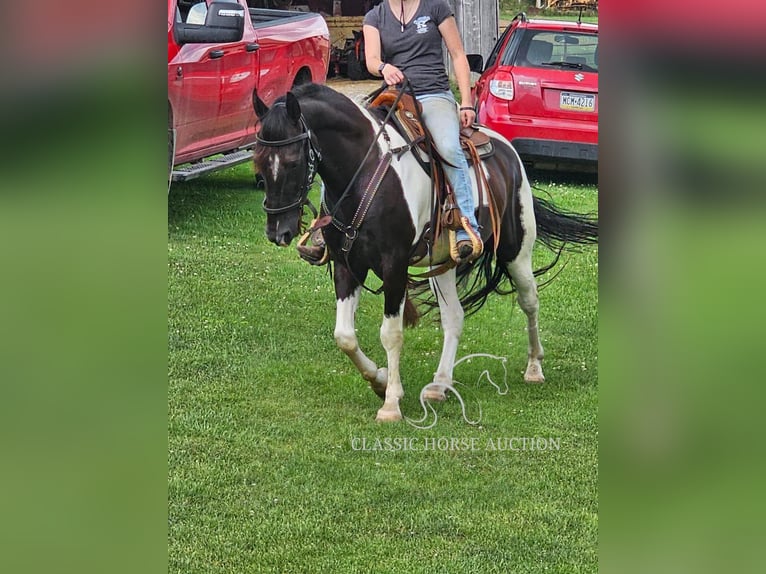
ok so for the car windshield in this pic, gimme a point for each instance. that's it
(558, 49)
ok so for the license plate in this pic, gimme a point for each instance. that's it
(577, 102)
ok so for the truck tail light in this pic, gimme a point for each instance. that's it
(501, 86)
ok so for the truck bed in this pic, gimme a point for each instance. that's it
(265, 17)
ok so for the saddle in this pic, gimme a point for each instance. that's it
(476, 146)
(446, 213)
(475, 143)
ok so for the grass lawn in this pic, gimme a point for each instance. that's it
(587, 16)
(266, 416)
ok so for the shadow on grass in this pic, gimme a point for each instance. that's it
(543, 176)
(210, 193)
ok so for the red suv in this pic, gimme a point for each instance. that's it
(539, 89)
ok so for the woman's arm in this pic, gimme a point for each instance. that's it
(391, 74)
(449, 32)
(372, 49)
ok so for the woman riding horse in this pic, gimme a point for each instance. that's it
(376, 206)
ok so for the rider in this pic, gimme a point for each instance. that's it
(404, 37)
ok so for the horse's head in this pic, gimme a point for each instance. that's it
(286, 156)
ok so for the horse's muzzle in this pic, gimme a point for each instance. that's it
(281, 229)
(283, 238)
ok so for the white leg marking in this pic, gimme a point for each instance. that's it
(451, 314)
(392, 337)
(523, 276)
(345, 337)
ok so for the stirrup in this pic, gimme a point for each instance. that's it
(317, 253)
(477, 246)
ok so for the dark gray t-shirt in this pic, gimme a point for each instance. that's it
(416, 51)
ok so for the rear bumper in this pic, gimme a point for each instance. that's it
(566, 140)
(552, 149)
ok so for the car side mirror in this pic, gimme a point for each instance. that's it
(475, 63)
(225, 22)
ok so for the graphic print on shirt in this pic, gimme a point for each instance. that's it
(421, 24)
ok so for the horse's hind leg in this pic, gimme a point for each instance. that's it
(347, 292)
(521, 271)
(451, 315)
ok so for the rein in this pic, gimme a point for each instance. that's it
(351, 231)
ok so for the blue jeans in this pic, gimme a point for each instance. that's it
(441, 118)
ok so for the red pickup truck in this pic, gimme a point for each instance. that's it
(218, 53)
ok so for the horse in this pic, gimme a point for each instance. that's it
(314, 129)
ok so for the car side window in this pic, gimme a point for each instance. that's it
(496, 50)
(512, 47)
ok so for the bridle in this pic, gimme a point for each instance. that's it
(313, 158)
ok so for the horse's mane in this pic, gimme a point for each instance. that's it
(326, 104)
(309, 94)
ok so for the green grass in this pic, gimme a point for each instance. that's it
(589, 17)
(263, 409)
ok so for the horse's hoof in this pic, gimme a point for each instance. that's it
(534, 375)
(379, 384)
(388, 415)
(434, 392)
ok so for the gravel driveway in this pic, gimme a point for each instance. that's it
(356, 90)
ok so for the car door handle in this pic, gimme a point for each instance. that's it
(216, 54)
(252, 47)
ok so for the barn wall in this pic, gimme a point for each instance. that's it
(478, 22)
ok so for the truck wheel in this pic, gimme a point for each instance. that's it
(171, 146)
(302, 77)
(171, 154)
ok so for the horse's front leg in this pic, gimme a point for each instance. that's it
(451, 314)
(347, 292)
(392, 338)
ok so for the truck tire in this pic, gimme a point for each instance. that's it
(302, 77)
(171, 154)
(171, 146)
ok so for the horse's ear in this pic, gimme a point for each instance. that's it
(260, 108)
(293, 108)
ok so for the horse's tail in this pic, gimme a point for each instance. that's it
(478, 281)
(411, 313)
(556, 227)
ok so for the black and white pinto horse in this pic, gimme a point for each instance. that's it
(315, 129)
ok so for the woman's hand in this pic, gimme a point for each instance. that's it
(392, 75)
(467, 116)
